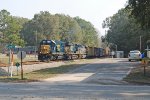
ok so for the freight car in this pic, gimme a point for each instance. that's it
(95, 52)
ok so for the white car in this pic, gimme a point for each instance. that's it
(134, 55)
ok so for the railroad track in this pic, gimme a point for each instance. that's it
(35, 62)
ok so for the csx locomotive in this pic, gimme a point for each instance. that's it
(54, 49)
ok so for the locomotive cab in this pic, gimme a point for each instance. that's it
(45, 50)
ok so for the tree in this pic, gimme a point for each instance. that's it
(4, 20)
(140, 9)
(55, 27)
(89, 33)
(10, 27)
(59, 27)
(69, 29)
(124, 31)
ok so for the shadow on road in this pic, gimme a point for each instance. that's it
(110, 73)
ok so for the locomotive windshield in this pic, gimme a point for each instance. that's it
(45, 42)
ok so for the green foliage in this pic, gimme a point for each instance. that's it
(21, 31)
(125, 32)
(89, 34)
(59, 27)
(140, 9)
(10, 28)
(69, 29)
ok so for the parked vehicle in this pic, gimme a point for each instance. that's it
(134, 55)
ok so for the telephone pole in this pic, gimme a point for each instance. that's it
(35, 43)
(140, 43)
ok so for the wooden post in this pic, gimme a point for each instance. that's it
(143, 62)
(21, 67)
(9, 62)
(145, 65)
(12, 62)
(144, 70)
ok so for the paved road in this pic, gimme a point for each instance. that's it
(101, 80)
(104, 71)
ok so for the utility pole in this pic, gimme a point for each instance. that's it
(116, 48)
(140, 43)
(35, 43)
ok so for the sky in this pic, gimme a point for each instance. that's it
(94, 11)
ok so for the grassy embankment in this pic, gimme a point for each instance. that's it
(39, 74)
(48, 72)
(137, 75)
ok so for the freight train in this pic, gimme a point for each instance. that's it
(54, 49)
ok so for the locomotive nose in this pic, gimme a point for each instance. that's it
(45, 49)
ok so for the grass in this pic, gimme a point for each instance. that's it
(137, 75)
(48, 72)
(41, 74)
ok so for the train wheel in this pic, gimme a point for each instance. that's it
(52, 58)
(79, 56)
(70, 57)
(65, 57)
(48, 59)
(56, 57)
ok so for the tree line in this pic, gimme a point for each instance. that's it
(44, 25)
(129, 27)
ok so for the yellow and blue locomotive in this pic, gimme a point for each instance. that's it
(54, 49)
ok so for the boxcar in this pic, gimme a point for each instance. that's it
(90, 52)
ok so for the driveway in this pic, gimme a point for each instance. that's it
(101, 80)
(104, 71)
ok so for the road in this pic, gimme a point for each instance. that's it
(101, 80)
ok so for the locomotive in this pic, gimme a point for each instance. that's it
(54, 49)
